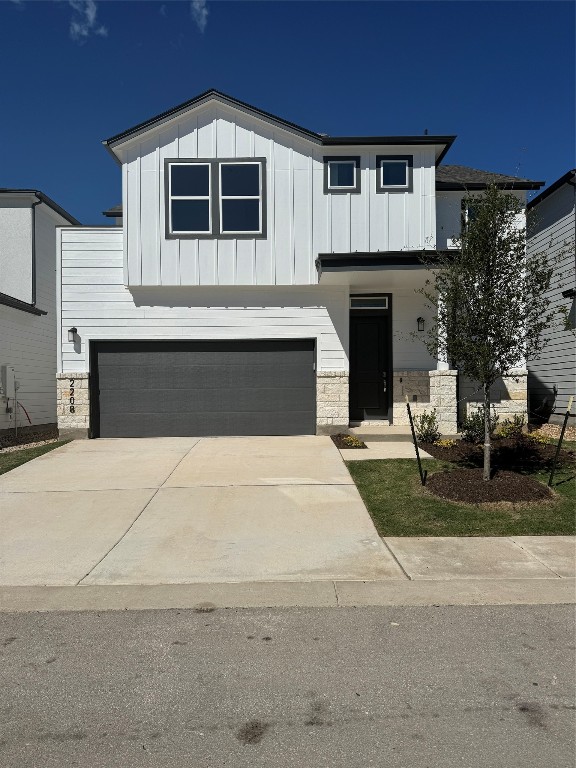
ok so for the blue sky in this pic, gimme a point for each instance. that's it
(500, 75)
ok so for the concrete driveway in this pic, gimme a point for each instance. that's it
(184, 510)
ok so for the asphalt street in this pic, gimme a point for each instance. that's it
(408, 687)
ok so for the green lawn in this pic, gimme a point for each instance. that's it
(13, 459)
(399, 506)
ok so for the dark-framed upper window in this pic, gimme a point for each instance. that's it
(342, 175)
(394, 172)
(215, 198)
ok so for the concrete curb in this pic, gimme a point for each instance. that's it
(311, 594)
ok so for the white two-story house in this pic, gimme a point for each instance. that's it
(260, 280)
(28, 320)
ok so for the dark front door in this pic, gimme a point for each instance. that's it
(369, 366)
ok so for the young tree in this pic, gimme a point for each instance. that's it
(489, 296)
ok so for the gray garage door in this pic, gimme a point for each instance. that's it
(165, 388)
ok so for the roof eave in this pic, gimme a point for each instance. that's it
(568, 178)
(450, 186)
(43, 199)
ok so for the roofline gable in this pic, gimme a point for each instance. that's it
(114, 142)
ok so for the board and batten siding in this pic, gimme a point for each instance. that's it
(552, 377)
(95, 300)
(302, 221)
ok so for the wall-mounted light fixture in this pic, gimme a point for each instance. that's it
(420, 322)
(72, 334)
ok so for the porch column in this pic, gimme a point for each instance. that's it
(441, 355)
(443, 399)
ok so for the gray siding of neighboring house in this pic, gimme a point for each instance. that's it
(552, 377)
(27, 341)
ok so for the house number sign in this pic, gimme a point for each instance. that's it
(72, 408)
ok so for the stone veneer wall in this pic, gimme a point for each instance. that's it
(415, 385)
(331, 401)
(509, 396)
(73, 404)
(432, 390)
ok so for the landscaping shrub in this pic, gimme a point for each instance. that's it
(426, 427)
(512, 428)
(473, 426)
(445, 443)
(536, 437)
(352, 441)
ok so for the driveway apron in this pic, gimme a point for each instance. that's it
(186, 510)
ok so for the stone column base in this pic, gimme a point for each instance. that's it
(73, 406)
(331, 402)
(443, 399)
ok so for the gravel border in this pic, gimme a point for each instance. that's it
(23, 446)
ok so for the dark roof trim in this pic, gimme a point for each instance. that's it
(317, 138)
(197, 101)
(10, 301)
(114, 213)
(452, 186)
(43, 199)
(568, 178)
(348, 262)
(336, 141)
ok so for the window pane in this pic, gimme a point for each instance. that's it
(341, 174)
(190, 180)
(240, 180)
(394, 173)
(240, 215)
(190, 216)
(381, 303)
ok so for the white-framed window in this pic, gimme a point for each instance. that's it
(393, 172)
(240, 186)
(215, 198)
(189, 198)
(341, 175)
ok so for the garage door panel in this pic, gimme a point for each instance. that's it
(210, 424)
(199, 376)
(185, 388)
(166, 401)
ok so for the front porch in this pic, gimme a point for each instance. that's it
(388, 363)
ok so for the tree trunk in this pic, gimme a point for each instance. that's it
(487, 442)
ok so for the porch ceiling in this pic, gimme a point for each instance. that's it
(385, 270)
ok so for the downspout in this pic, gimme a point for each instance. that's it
(38, 202)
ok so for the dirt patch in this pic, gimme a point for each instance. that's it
(252, 732)
(345, 442)
(468, 486)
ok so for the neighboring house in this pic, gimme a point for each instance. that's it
(262, 280)
(552, 231)
(28, 221)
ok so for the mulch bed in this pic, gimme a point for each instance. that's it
(344, 442)
(468, 486)
(28, 437)
(520, 454)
